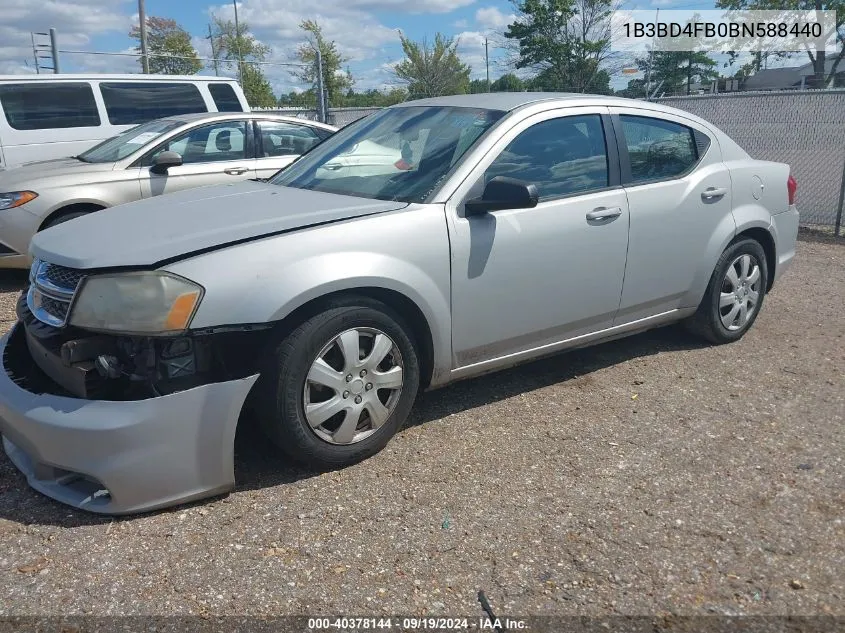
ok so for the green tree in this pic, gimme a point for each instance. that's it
(508, 83)
(432, 70)
(240, 47)
(822, 74)
(566, 42)
(257, 90)
(169, 47)
(335, 81)
(477, 86)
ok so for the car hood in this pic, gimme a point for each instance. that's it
(28, 175)
(176, 225)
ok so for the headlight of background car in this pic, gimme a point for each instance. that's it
(14, 199)
(136, 303)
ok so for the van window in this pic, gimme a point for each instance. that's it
(41, 106)
(225, 98)
(128, 103)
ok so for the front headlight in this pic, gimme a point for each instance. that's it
(136, 303)
(14, 199)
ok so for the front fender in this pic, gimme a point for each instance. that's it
(266, 280)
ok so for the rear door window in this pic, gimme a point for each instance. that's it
(129, 103)
(46, 106)
(225, 98)
(285, 139)
(658, 149)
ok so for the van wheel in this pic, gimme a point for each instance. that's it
(340, 385)
(734, 295)
(65, 218)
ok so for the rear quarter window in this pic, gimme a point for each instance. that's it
(47, 106)
(131, 103)
(225, 98)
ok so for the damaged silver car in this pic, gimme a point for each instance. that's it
(432, 241)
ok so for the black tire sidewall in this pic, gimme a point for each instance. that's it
(742, 247)
(290, 429)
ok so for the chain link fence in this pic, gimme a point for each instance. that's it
(337, 116)
(804, 129)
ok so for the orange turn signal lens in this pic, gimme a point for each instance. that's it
(181, 311)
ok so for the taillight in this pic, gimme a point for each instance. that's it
(791, 187)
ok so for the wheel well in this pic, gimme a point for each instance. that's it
(402, 305)
(71, 208)
(764, 238)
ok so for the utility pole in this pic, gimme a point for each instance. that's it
(213, 54)
(321, 102)
(487, 63)
(54, 49)
(35, 54)
(238, 45)
(650, 58)
(142, 24)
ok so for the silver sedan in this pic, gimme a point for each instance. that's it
(151, 159)
(429, 242)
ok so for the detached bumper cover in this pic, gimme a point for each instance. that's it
(121, 457)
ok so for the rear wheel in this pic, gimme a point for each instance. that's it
(340, 385)
(734, 295)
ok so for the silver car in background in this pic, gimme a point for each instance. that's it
(432, 241)
(151, 159)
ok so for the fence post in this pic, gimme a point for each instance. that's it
(321, 103)
(841, 200)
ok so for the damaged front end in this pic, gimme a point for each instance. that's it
(117, 423)
(109, 366)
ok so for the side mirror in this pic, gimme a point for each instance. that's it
(503, 193)
(164, 161)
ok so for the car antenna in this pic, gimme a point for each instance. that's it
(485, 605)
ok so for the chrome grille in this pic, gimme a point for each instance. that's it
(62, 277)
(51, 291)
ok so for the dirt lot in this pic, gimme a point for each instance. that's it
(648, 475)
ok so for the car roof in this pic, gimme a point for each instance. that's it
(216, 116)
(508, 101)
(110, 77)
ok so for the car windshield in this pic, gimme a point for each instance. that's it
(127, 142)
(399, 153)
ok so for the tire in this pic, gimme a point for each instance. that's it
(710, 319)
(65, 218)
(283, 391)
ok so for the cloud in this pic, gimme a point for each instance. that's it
(493, 19)
(76, 23)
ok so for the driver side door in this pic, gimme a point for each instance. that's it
(212, 154)
(524, 280)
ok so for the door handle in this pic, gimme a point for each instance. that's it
(235, 171)
(713, 193)
(332, 166)
(603, 213)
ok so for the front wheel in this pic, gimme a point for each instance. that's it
(734, 295)
(340, 385)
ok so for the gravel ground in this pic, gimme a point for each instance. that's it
(645, 476)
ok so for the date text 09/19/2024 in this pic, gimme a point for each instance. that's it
(416, 624)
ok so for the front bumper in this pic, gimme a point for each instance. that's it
(17, 226)
(121, 457)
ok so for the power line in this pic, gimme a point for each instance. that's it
(205, 59)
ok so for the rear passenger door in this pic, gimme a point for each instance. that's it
(212, 154)
(279, 143)
(679, 195)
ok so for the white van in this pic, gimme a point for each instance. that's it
(52, 116)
